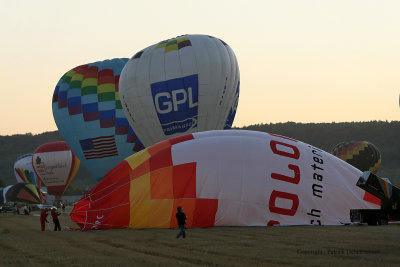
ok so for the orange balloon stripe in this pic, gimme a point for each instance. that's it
(23, 194)
(76, 163)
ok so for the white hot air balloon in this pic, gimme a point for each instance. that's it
(56, 165)
(182, 85)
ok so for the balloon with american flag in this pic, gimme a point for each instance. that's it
(89, 115)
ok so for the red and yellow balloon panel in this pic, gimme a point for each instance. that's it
(150, 189)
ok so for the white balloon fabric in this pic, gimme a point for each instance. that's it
(56, 165)
(182, 85)
(225, 178)
(23, 170)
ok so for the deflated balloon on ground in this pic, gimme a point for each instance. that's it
(224, 178)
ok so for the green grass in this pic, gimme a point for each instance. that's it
(23, 244)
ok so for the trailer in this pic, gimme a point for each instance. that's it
(389, 195)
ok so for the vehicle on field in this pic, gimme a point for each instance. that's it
(389, 195)
(6, 208)
(43, 206)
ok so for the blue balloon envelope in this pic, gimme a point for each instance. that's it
(89, 115)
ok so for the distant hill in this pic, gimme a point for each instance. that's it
(383, 134)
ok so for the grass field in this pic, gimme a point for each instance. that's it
(23, 244)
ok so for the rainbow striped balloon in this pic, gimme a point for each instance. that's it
(24, 171)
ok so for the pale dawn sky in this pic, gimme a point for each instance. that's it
(302, 61)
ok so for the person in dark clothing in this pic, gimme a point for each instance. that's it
(181, 217)
(43, 219)
(26, 210)
(54, 215)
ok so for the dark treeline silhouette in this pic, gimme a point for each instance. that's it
(383, 134)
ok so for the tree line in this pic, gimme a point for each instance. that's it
(383, 134)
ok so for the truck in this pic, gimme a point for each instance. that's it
(389, 196)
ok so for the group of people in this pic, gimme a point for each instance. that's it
(54, 215)
(180, 217)
(27, 210)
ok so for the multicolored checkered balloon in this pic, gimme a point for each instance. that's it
(89, 115)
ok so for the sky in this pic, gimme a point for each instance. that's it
(302, 61)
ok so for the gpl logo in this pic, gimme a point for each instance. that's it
(176, 103)
(165, 102)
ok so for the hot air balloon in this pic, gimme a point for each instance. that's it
(89, 115)
(20, 192)
(56, 165)
(224, 178)
(24, 171)
(361, 154)
(182, 85)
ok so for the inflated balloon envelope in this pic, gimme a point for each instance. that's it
(56, 165)
(224, 178)
(181, 85)
(363, 155)
(89, 115)
(20, 192)
(24, 171)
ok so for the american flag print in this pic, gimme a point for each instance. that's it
(99, 147)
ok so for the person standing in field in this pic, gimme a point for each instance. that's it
(43, 218)
(16, 210)
(181, 217)
(54, 215)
